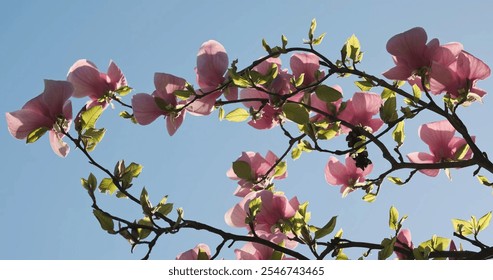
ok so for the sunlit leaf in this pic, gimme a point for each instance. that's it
(327, 229)
(296, 113)
(237, 115)
(35, 135)
(242, 169)
(104, 220)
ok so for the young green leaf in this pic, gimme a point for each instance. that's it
(484, 221)
(107, 186)
(296, 113)
(242, 169)
(364, 85)
(462, 227)
(123, 90)
(327, 94)
(35, 135)
(90, 117)
(104, 220)
(237, 115)
(398, 134)
(280, 168)
(327, 229)
(393, 218)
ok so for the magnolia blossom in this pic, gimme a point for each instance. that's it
(412, 55)
(404, 242)
(162, 102)
(88, 81)
(50, 111)
(256, 251)
(259, 166)
(307, 64)
(275, 208)
(193, 254)
(212, 63)
(347, 176)
(460, 77)
(444, 146)
(360, 110)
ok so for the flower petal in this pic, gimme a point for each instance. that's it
(59, 147)
(145, 108)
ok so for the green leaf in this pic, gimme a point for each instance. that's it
(133, 170)
(352, 48)
(398, 134)
(143, 232)
(238, 80)
(123, 90)
(327, 229)
(416, 93)
(280, 169)
(364, 85)
(127, 115)
(266, 46)
(296, 153)
(318, 40)
(202, 255)
(327, 94)
(277, 256)
(484, 221)
(92, 137)
(369, 197)
(237, 115)
(483, 180)
(296, 113)
(387, 93)
(313, 26)
(284, 40)
(462, 226)
(461, 152)
(92, 182)
(91, 116)
(107, 186)
(255, 205)
(242, 169)
(393, 218)
(104, 220)
(35, 135)
(221, 113)
(145, 203)
(164, 209)
(182, 94)
(388, 248)
(388, 112)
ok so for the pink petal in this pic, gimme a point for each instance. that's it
(403, 237)
(419, 157)
(472, 68)
(193, 254)
(437, 135)
(307, 64)
(212, 62)
(336, 172)
(22, 122)
(86, 79)
(168, 83)
(366, 102)
(116, 77)
(204, 106)
(145, 108)
(55, 96)
(235, 217)
(398, 72)
(265, 66)
(408, 43)
(172, 123)
(59, 147)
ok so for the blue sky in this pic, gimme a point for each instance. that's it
(45, 212)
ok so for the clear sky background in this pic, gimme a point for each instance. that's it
(46, 214)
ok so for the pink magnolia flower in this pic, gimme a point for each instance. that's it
(193, 254)
(275, 208)
(162, 102)
(256, 251)
(307, 64)
(443, 145)
(48, 110)
(412, 55)
(404, 242)
(347, 176)
(360, 110)
(212, 63)
(88, 81)
(459, 77)
(258, 168)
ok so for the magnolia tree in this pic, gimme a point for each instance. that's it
(309, 110)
